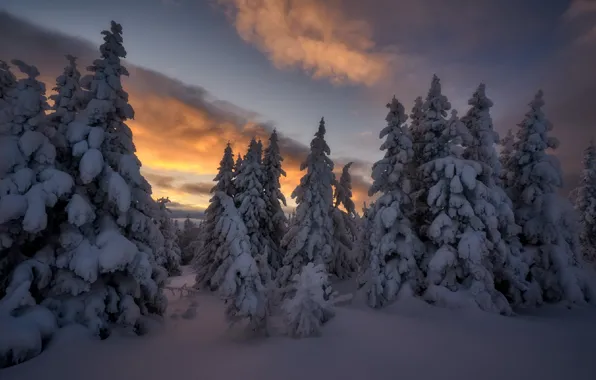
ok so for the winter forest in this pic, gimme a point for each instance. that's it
(458, 217)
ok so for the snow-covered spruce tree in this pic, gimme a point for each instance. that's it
(392, 249)
(508, 267)
(252, 205)
(311, 305)
(170, 259)
(360, 253)
(106, 261)
(237, 276)
(417, 135)
(68, 100)
(549, 225)
(7, 84)
(429, 145)
(310, 238)
(585, 203)
(186, 237)
(29, 180)
(505, 158)
(344, 227)
(30, 188)
(206, 259)
(274, 198)
(458, 266)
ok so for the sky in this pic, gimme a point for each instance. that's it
(205, 72)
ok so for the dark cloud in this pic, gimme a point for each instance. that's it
(200, 188)
(180, 210)
(162, 181)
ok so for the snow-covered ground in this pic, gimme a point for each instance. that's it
(408, 340)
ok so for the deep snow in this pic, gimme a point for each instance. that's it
(407, 340)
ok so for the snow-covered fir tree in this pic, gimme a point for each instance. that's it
(311, 304)
(68, 100)
(550, 229)
(585, 203)
(30, 184)
(187, 235)
(392, 247)
(251, 202)
(170, 259)
(344, 227)
(237, 276)
(274, 198)
(7, 84)
(458, 265)
(505, 156)
(508, 267)
(106, 261)
(310, 237)
(417, 136)
(427, 146)
(206, 260)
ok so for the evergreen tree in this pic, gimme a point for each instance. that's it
(429, 146)
(207, 257)
(549, 226)
(311, 305)
(186, 238)
(108, 251)
(274, 198)
(250, 199)
(237, 276)
(508, 267)
(30, 184)
(417, 136)
(344, 226)
(507, 164)
(585, 203)
(392, 248)
(68, 100)
(458, 265)
(170, 259)
(8, 259)
(310, 238)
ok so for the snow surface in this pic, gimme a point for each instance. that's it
(408, 340)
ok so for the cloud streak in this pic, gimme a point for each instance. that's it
(312, 35)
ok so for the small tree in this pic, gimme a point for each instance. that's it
(344, 226)
(585, 203)
(310, 305)
(205, 262)
(170, 258)
(187, 235)
(237, 277)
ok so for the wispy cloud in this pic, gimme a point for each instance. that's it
(313, 35)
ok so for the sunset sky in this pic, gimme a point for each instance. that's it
(204, 72)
